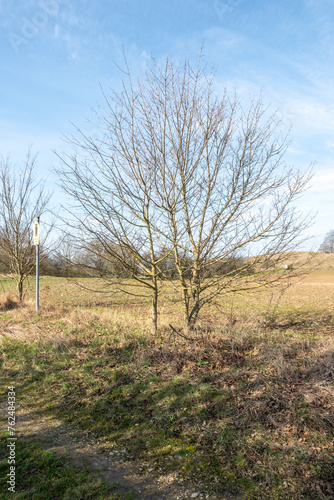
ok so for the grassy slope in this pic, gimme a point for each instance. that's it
(246, 408)
(318, 260)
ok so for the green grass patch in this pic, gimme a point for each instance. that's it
(44, 475)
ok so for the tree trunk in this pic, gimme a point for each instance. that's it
(186, 304)
(20, 288)
(154, 325)
(192, 313)
(193, 316)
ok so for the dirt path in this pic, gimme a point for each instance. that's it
(114, 465)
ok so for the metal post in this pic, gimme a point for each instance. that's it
(37, 274)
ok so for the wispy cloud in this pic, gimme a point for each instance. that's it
(316, 116)
(323, 182)
(330, 145)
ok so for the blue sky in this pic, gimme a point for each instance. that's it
(55, 55)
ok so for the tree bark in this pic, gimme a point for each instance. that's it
(20, 287)
(154, 325)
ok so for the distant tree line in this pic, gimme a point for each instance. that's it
(93, 262)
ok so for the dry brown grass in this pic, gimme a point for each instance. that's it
(316, 261)
(7, 302)
(307, 305)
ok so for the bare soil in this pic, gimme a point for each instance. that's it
(114, 467)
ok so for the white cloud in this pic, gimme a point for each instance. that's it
(294, 150)
(323, 182)
(310, 114)
(330, 145)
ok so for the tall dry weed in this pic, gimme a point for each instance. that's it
(7, 302)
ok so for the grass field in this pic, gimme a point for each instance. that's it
(244, 409)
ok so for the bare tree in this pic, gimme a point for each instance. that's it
(114, 216)
(328, 243)
(222, 183)
(186, 181)
(22, 199)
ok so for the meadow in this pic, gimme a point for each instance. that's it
(242, 410)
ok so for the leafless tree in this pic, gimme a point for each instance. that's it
(328, 243)
(22, 199)
(186, 180)
(222, 184)
(113, 216)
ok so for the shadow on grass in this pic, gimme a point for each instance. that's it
(245, 414)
